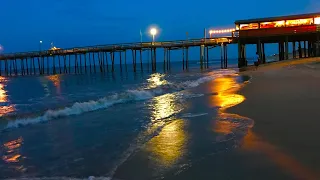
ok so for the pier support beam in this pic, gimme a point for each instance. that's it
(304, 49)
(299, 49)
(294, 54)
(242, 55)
(309, 49)
(201, 56)
(317, 47)
(286, 48)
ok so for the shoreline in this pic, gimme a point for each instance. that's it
(282, 99)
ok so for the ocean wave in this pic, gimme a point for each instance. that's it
(190, 115)
(117, 98)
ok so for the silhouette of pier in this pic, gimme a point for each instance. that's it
(101, 58)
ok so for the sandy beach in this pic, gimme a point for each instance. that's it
(283, 100)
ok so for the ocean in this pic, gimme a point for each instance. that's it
(121, 125)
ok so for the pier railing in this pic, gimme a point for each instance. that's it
(118, 47)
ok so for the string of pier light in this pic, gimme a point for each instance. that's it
(221, 31)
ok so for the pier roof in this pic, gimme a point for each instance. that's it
(278, 18)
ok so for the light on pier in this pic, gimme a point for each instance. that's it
(153, 32)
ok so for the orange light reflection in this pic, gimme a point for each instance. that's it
(12, 154)
(55, 79)
(253, 142)
(4, 98)
(227, 97)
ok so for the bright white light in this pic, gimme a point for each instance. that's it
(210, 32)
(317, 20)
(1, 48)
(40, 41)
(153, 31)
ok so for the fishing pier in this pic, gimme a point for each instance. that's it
(102, 58)
(302, 31)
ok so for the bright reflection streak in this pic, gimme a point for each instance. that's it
(226, 123)
(4, 109)
(11, 151)
(56, 82)
(164, 106)
(226, 88)
(169, 145)
(156, 80)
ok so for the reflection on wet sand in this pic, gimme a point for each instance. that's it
(11, 154)
(252, 142)
(227, 123)
(4, 109)
(169, 145)
(226, 88)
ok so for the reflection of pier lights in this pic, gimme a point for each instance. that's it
(169, 145)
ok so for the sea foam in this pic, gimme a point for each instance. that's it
(118, 98)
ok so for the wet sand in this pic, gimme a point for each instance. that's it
(283, 100)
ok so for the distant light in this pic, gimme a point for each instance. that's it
(153, 31)
(1, 48)
(221, 31)
(40, 41)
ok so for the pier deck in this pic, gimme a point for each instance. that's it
(95, 58)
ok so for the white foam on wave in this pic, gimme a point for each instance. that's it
(211, 76)
(130, 95)
(190, 115)
(82, 107)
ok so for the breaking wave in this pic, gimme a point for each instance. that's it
(118, 98)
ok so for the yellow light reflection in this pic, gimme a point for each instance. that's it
(169, 145)
(156, 80)
(12, 154)
(164, 106)
(55, 79)
(226, 88)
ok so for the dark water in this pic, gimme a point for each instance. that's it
(121, 125)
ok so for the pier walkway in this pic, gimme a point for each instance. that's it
(79, 58)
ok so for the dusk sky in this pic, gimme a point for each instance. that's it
(70, 23)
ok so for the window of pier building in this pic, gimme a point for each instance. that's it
(299, 22)
(273, 24)
(317, 20)
(249, 26)
(237, 27)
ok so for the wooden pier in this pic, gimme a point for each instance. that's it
(303, 31)
(101, 58)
